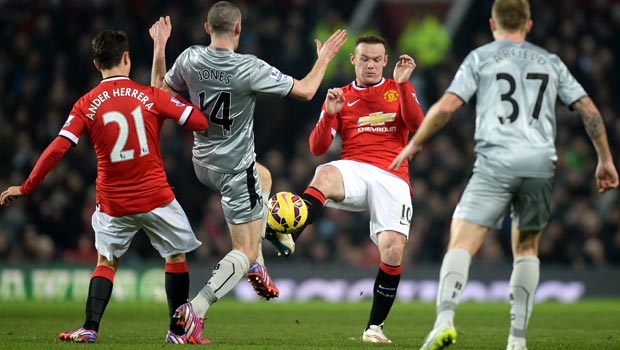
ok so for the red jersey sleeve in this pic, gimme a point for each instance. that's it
(52, 154)
(323, 133)
(410, 107)
(183, 113)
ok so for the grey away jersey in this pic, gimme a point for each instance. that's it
(516, 86)
(224, 84)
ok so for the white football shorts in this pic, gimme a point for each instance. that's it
(386, 196)
(167, 227)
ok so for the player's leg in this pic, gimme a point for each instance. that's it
(258, 275)
(243, 211)
(112, 238)
(466, 238)
(531, 210)
(265, 181)
(283, 242)
(177, 292)
(391, 247)
(234, 266)
(481, 207)
(389, 202)
(523, 283)
(99, 293)
(171, 234)
(327, 183)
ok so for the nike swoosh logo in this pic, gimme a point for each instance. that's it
(382, 287)
(352, 103)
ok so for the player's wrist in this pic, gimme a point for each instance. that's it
(328, 115)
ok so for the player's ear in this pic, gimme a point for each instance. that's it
(528, 26)
(126, 58)
(237, 28)
(206, 26)
(492, 24)
(352, 58)
(97, 65)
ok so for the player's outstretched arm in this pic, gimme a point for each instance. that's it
(160, 33)
(47, 161)
(9, 195)
(306, 88)
(606, 173)
(436, 117)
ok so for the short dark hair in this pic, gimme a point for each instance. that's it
(370, 39)
(222, 17)
(108, 48)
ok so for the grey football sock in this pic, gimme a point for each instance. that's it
(226, 274)
(452, 280)
(523, 284)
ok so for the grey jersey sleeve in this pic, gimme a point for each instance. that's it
(268, 79)
(465, 82)
(569, 89)
(174, 77)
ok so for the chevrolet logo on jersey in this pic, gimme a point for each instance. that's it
(377, 118)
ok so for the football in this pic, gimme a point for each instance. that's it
(287, 212)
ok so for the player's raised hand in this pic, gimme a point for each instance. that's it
(403, 69)
(9, 195)
(160, 30)
(334, 100)
(409, 152)
(329, 49)
(606, 176)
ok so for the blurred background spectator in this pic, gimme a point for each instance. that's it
(45, 65)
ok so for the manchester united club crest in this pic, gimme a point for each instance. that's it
(390, 95)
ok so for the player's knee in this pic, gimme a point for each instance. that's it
(264, 177)
(391, 248)
(328, 180)
(175, 258)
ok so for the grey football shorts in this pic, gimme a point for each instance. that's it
(487, 199)
(241, 199)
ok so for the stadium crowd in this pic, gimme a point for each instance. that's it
(44, 67)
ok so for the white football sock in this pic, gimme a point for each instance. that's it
(226, 274)
(452, 280)
(523, 284)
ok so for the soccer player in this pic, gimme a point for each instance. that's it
(123, 122)
(258, 274)
(224, 85)
(374, 116)
(516, 84)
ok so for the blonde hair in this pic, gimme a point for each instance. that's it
(511, 15)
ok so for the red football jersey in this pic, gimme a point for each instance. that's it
(374, 124)
(123, 120)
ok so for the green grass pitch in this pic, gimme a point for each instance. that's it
(589, 324)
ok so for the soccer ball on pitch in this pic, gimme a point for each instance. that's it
(287, 212)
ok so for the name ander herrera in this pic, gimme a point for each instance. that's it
(118, 92)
